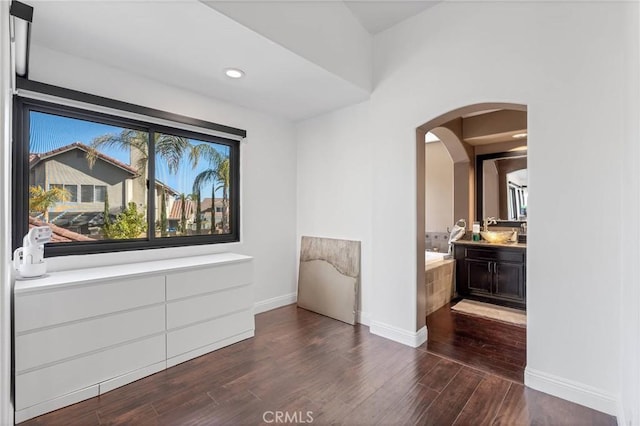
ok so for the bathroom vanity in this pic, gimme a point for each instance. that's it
(492, 273)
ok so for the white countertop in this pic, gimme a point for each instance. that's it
(80, 276)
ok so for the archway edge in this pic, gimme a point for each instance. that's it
(468, 109)
(421, 131)
(452, 143)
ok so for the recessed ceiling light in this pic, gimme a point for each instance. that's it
(520, 135)
(234, 73)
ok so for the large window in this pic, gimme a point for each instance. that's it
(107, 183)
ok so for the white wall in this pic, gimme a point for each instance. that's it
(566, 62)
(629, 411)
(438, 188)
(334, 185)
(6, 407)
(268, 170)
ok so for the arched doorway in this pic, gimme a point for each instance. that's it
(465, 133)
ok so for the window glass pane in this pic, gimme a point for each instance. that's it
(69, 155)
(100, 193)
(86, 193)
(72, 191)
(193, 187)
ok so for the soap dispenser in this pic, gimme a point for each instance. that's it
(475, 231)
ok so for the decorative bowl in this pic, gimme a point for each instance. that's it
(497, 237)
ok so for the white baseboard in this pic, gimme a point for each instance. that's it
(572, 391)
(363, 318)
(274, 302)
(179, 359)
(56, 403)
(409, 338)
(621, 417)
(125, 379)
(287, 299)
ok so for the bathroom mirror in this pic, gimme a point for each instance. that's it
(502, 187)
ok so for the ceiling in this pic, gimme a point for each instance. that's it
(377, 16)
(188, 44)
(488, 127)
(494, 126)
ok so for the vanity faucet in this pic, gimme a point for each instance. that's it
(489, 221)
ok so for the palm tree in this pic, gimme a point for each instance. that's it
(218, 175)
(224, 177)
(203, 178)
(168, 147)
(107, 211)
(40, 200)
(211, 176)
(163, 213)
(183, 214)
(196, 197)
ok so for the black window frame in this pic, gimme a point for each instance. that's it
(23, 106)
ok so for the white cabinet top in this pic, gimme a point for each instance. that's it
(81, 276)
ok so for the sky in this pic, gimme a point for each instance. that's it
(49, 132)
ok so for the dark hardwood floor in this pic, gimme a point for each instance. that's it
(321, 371)
(491, 346)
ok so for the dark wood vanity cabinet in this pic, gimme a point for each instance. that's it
(491, 273)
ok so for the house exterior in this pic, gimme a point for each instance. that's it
(89, 186)
(175, 213)
(59, 234)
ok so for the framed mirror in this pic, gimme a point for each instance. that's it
(502, 187)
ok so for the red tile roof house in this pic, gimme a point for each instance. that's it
(59, 235)
(175, 213)
(88, 186)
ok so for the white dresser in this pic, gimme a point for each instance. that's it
(85, 332)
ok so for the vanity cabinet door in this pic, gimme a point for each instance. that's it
(479, 276)
(491, 274)
(509, 281)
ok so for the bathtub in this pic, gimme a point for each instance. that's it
(432, 257)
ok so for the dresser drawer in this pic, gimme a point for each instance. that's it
(206, 333)
(206, 280)
(54, 344)
(59, 379)
(200, 308)
(60, 305)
